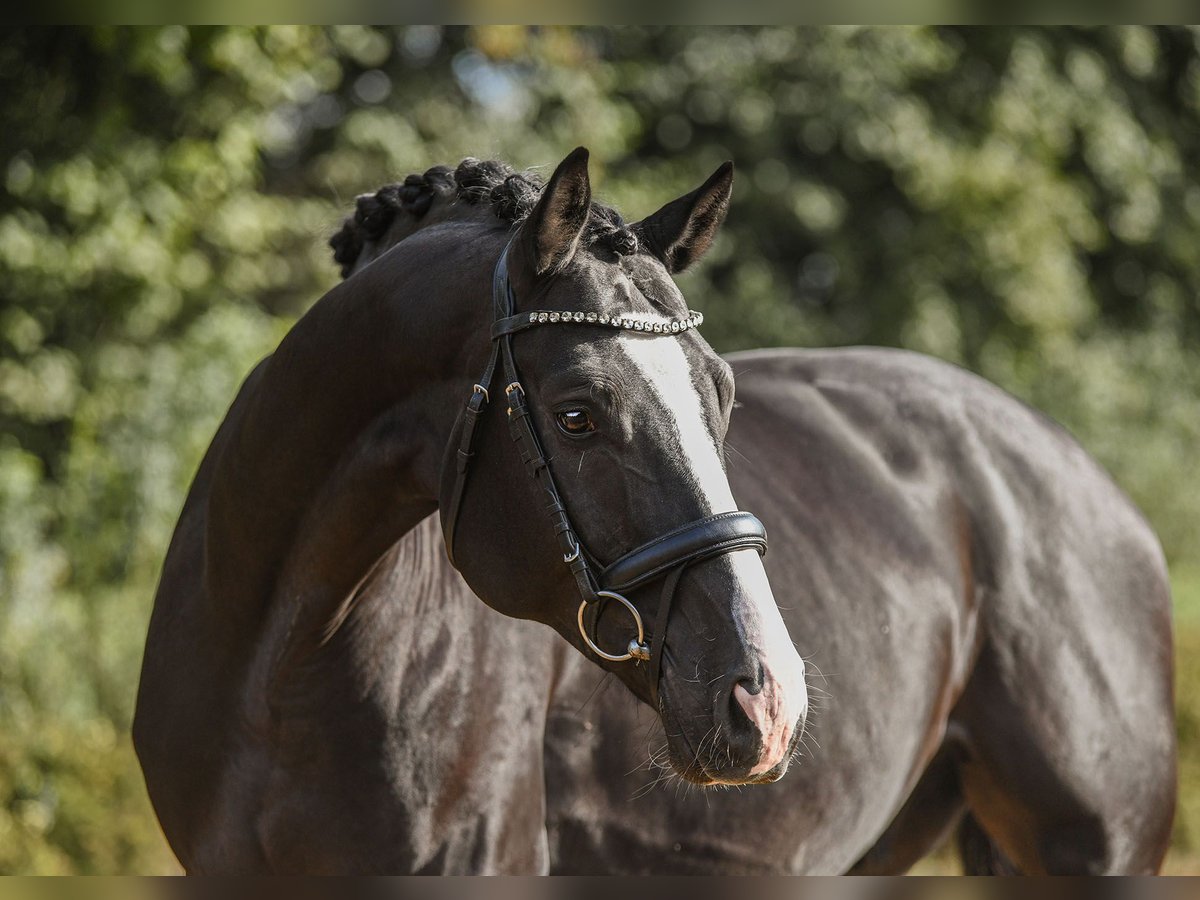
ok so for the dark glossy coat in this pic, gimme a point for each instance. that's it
(321, 692)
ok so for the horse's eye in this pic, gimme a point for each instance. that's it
(576, 421)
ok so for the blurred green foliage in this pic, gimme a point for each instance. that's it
(1017, 200)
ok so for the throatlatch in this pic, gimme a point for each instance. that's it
(665, 557)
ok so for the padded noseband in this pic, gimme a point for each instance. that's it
(711, 536)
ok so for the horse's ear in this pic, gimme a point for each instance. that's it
(683, 230)
(550, 235)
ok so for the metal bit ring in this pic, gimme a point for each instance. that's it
(637, 647)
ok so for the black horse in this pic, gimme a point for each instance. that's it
(322, 693)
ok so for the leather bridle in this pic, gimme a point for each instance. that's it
(665, 557)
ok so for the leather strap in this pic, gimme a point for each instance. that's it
(520, 424)
(658, 639)
(711, 536)
(502, 302)
(511, 325)
(462, 461)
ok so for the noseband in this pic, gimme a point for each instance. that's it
(665, 557)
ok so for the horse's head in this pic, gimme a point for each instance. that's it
(631, 419)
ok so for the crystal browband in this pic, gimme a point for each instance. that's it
(629, 322)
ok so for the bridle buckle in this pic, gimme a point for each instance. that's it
(574, 554)
(513, 388)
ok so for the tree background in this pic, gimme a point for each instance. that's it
(1021, 201)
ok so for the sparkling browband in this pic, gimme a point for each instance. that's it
(626, 321)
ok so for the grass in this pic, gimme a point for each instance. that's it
(1185, 842)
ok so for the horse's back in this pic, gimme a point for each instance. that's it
(1066, 716)
(1038, 504)
(1059, 555)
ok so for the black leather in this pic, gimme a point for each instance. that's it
(466, 452)
(710, 536)
(511, 325)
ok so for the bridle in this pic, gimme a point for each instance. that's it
(665, 557)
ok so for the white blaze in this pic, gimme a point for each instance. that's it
(664, 365)
(666, 369)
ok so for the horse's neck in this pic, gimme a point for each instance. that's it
(338, 450)
(405, 225)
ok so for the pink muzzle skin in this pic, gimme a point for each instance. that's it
(769, 712)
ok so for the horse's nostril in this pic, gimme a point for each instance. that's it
(737, 709)
(751, 684)
(746, 701)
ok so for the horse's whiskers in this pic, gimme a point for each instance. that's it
(595, 690)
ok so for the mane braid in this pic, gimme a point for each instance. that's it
(510, 195)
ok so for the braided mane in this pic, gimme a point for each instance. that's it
(511, 196)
